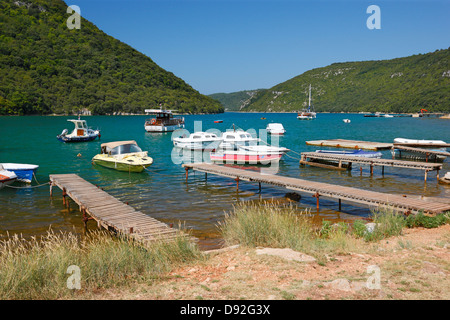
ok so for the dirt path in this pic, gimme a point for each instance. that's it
(415, 265)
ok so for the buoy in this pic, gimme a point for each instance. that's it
(79, 155)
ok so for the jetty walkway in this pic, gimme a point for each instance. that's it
(318, 189)
(310, 158)
(109, 212)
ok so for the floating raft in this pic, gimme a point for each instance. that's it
(318, 189)
(310, 157)
(351, 144)
(109, 212)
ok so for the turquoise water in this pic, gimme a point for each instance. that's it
(163, 193)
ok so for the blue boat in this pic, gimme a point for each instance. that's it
(24, 172)
(356, 153)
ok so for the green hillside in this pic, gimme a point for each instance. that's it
(47, 68)
(397, 85)
(236, 101)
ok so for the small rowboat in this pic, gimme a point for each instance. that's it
(6, 177)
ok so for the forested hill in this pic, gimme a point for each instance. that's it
(47, 68)
(397, 85)
(236, 101)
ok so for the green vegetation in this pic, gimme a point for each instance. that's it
(37, 269)
(236, 101)
(47, 68)
(399, 85)
(256, 225)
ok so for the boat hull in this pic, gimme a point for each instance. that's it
(163, 128)
(76, 139)
(6, 179)
(121, 165)
(245, 158)
(24, 172)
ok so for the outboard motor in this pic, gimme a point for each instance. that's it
(64, 132)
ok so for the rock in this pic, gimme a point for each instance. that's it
(287, 254)
(339, 284)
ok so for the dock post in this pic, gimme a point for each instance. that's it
(371, 169)
(187, 173)
(437, 175)
(339, 204)
(382, 170)
(259, 187)
(51, 189)
(237, 183)
(426, 173)
(206, 176)
(360, 170)
(317, 195)
(64, 196)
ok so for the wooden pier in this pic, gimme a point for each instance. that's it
(318, 189)
(351, 144)
(109, 212)
(310, 158)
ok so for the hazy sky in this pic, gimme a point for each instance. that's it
(233, 45)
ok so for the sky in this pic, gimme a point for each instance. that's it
(233, 45)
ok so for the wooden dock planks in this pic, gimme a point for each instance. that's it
(350, 144)
(111, 213)
(365, 197)
(309, 157)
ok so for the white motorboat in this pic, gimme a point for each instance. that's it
(275, 129)
(80, 133)
(421, 143)
(198, 141)
(164, 121)
(346, 120)
(240, 147)
(307, 113)
(6, 177)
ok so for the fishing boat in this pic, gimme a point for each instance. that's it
(355, 153)
(275, 129)
(198, 141)
(24, 172)
(164, 121)
(81, 132)
(240, 147)
(6, 177)
(123, 156)
(307, 113)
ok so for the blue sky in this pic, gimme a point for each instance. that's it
(232, 45)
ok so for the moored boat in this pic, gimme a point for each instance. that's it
(419, 143)
(275, 129)
(198, 141)
(164, 121)
(6, 177)
(356, 153)
(346, 120)
(24, 172)
(307, 113)
(81, 132)
(123, 156)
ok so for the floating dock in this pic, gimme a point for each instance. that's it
(310, 158)
(109, 212)
(318, 189)
(351, 144)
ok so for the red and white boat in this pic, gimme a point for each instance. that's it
(240, 147)
(6, 177)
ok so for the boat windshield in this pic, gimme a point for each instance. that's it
(125, 148)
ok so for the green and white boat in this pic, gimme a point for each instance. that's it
(123, 156)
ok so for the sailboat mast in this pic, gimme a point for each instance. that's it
(309, 103)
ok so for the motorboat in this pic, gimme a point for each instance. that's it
(355, 153)
(307, 113)
(218, 121)
(123, 156)
(346, 120)
(24, 172)
(198, 141)
(275, 129)
(241, 147)
(6, 177)
(81, 132)
(164, 121)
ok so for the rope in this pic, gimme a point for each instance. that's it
(13, 187)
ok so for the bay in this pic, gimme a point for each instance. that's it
(162, 192)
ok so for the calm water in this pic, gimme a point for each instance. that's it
(163, 193)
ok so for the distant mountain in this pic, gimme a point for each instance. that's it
(397, 85)
(236, 101)
(47, 68)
